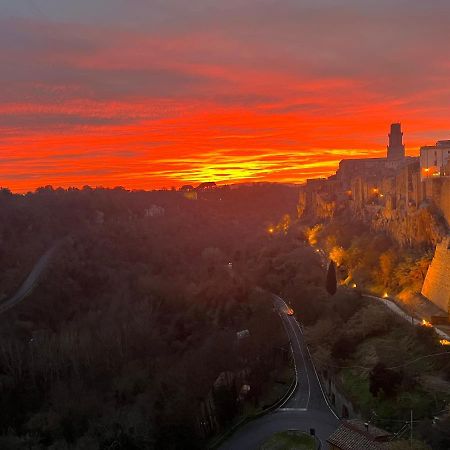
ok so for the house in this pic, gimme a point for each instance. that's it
(355, 434)
(154, 211)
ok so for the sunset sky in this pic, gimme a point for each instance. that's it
(153, 93)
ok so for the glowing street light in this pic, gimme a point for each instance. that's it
(427, 324)
(353, 285)
(385, 295)
(444, 342)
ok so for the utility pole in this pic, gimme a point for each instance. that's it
(411, 430)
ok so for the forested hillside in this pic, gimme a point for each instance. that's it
(135, 320)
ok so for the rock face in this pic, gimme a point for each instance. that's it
(420, 227)
(413, 212)
(436, 286)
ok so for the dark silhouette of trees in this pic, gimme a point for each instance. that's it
(384, 379)
(344, 346)
(225, 401)
(331, 282)
(122, 341)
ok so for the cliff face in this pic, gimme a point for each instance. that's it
(397, 196)
(436, 286)
(419, 228)
(412, 211)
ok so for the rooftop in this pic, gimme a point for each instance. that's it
(445, 143)
(356, 435)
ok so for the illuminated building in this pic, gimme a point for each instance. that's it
(434, 160)
(377, 168)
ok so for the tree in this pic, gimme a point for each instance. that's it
(331, 283)
(344, 347)
(387, 265)
(225, 403)
(384, 379)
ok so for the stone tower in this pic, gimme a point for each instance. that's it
(395, 149)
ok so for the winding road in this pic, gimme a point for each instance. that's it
(30, 281)
(306, 408)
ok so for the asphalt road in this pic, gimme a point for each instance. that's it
(30, 282)
(306, 408)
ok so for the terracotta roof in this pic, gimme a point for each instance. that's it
(353, 435)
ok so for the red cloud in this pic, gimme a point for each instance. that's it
(148, 109)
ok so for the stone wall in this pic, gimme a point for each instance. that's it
(437, 190)
(342, 406)
(436, 286)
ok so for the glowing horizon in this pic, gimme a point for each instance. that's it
(163, 94)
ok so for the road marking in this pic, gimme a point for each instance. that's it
(284, 318)
(320, 385)
(304, 362)
(312, 363)
(295, 364)
(292, 409)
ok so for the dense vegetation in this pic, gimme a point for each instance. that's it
(369, 353)
(371, 259)
(131, 335)
(130, 340)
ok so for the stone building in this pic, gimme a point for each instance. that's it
(377, 167)
(436, 190)
(390, 193)
(396, 148)
(154, 211)
(434, 160)
(357, 435)
(350, 168)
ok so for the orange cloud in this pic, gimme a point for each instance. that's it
(85, 105)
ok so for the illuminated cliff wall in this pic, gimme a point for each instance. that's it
(436, 286)
(411, 228)
(392, 200)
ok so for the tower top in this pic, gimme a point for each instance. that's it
(396, 149)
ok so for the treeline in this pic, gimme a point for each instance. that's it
(132, 330)
(30, 223)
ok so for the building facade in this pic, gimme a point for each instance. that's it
(434, 160)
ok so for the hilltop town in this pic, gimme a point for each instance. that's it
(407, 197)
